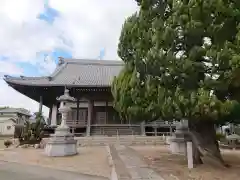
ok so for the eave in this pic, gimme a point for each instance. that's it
(78, 75)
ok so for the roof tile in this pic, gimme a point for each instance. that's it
(76, 72)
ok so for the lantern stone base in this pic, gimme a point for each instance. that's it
(62, 143)
(178, 146)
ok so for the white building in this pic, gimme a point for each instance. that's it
(10, 118)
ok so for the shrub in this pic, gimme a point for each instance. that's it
(33, 132)
(18, 132)
(7, 143)
(220, 136)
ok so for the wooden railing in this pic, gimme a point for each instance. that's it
(76, 123)
(115, 129)
(116, 125)
(158, 133)
(160, 123)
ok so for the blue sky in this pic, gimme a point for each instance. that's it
(35, 33)
(49, 15)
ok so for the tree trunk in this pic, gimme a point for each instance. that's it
(203, 135)
(196, 155)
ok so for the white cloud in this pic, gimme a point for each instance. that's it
(10, 97)
(7, 67)
(21, 11)
(47, 66)
(87, 26)
(93, 24)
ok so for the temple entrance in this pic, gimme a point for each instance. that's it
(101, 117)
(80, 131)
(82, 116)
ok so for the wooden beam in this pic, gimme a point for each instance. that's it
(78, 108)
(106, 109)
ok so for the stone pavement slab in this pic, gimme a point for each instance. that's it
(136, 167)
(120, 168)
(15, 171)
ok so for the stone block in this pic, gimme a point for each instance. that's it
(24, 146)
(168, 139)
(37, 146)
(64, 148)
(178, 148)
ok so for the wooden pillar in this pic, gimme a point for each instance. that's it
(49, 116)
(106, 111)
(89, 120)
(78, 108)
(54, 115)
(170, 128)
(155, 131)
(40, 104)
(77, 121)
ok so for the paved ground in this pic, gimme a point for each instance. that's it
(130, 166)
(90, 160)
(90, 164)
(174, 167)
(15, 171)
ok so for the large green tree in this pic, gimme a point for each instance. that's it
(184, 59)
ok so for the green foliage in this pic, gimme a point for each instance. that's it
(3, 107)
(7, 143)
(194, 105)
(33, 132)
(220, 136)
(232, 117)
(133, 100)
(18, 131)
(182, 60)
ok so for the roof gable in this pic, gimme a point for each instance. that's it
(76, 72)
(15, 111)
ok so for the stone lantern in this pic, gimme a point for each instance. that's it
(178, 142)
(62, 142)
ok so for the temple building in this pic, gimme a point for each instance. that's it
(89, 81)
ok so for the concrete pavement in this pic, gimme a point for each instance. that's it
(16, 171)
(129, 166)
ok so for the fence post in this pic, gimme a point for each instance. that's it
(117, 134)
(155, 131)
(190, 155)
(142, 127)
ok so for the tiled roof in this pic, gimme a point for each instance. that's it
(75, 72)
(15, 110)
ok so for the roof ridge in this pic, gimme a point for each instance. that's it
(93, 62)
(57, 70)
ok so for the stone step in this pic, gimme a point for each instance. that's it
(124, 141)
(115, 130)
(120, 142)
